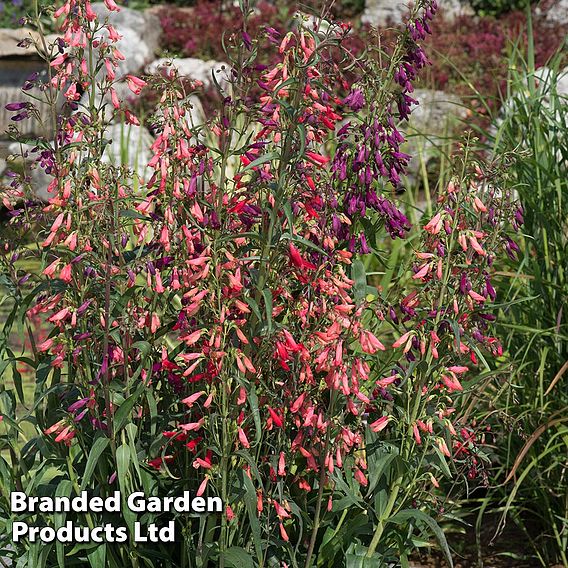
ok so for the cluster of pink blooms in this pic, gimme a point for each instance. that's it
(240, 284)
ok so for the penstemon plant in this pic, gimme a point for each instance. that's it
(211, 329)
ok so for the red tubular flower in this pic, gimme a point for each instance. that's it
(317, 158)
(297, 260)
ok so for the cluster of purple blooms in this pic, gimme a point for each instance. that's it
(11, 13)
(372, 157)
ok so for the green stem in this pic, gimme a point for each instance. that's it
(384, 516)
(322, 479)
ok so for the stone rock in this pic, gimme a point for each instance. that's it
(546, 82)
(129, 146)
(380, 13)
(16, 65)
(434, 110)
(562, 82)
(39, 183)
(123, 93)
(193, 68)
(558, 13)
(431, 120)
(29, 126)
(10, 38)
(140, 33)
(194, 115)
(545, 77)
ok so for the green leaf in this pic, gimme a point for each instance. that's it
(305, 242)
(359, 276)
(238, 557)
(417, 515)
(64, 489)
(253, 403)
(125, 409)
(254, 307)
(97, 556)
(260, 160)
(302, 132)
(268, 307)
(131, 214)
(122, 461)
(94, 455)
(250, 503)
(377, 468)
(356, 558)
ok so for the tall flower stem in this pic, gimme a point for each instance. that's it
(322, 478)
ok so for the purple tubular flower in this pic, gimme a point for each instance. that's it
(83, 307)
(355, 100)
(24, 279)
(247, 40)
(20, 116)
(78, 405)
(16, 106)
(490, 290)
(81, 336)
(81, 415)
(273, 35)
(364, 246)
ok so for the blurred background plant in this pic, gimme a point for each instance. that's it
(523, 407)
(532, 409)
(11, 12)
(498, 7)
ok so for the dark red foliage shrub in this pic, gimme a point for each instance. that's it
(475, 51)
(199, 31)
(468, 54)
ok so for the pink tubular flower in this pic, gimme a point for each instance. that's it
(59, 60)
(202, 487)
(297, 259)
(458, 369)
(46, 345)
(135, 84)
(60, 315)
(434, 225)
(476, 246)
(361, 477)
(416, 434)
(282, 465)
(443, 447)
(54, 428)
(402, 339)
(190, 400)
(369, 343)
(422, 272)
(280, 511)
(298, 403)
(50, 270)
(199, 462)
(243, 438)
(477, 297)
(479, 205)
(111, 5)
(452, 383)
(192, 425)
(131, 118)
(380, 424)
